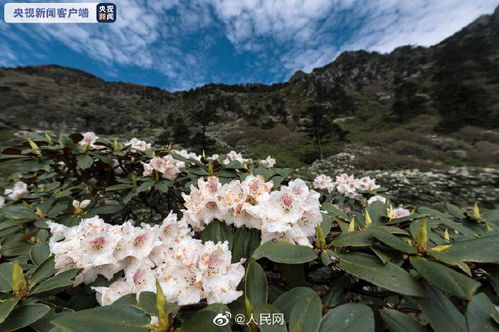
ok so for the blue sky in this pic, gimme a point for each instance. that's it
(181, 44)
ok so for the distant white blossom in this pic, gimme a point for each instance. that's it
(376, 198)
(89, 139)
(234, 156)
(268, 162)
(400, 212)
(347, 185)
(166, 166)
(136, 144)
(17, 191)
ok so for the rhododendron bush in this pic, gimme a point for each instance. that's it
(100, 235)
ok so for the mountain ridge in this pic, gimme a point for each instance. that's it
(439, 90)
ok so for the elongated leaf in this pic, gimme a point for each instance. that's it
(441, 312)
(391, 240)
(18, 212)
(43, 271)
(481, 250)
(18, 280)
(306, 314)
(123, 318)
(350, 317)
(479, 314)
(377, 210)
(145, 186)
(389, 275)
(6, 277)
(39, 253)
(444, 278)
(399, 322)
(6, 307)
(217, 231)
(285, 302)
(62, 279)
(284, 252)
(353, 239)
(23, 316)
(245, 243)
(256, 288)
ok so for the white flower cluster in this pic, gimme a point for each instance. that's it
(89, 139)
(268, 162)
(187, 270)
(292, 213)
(346, 185)
(17, 191)
(136, 144)
(234, 156)
(167, 166)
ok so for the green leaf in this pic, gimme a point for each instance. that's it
(145, 186)
(147, 301)
(39, 253)
(284, 252)
(23, 316)
(43, 271)
(350, 317)
(163, 186)
(18, 280)
(455, 211)
(62, 279)
(336, 293)
(377, 210)
(106, 209)
(389, 275)
(390, 240)
(399, 322)
(256, 288)
(16, 248)
(444, 278)
(479, 312)
(306, 314)
(217, 231)
(353, 239)
(203, 320)
(123, 318)
(6, 307)
(266, 323)
(287, 300)
(441, 312)
(18, 212)
(84, 161)
(481, 250)
(245, 242)
(5, 277)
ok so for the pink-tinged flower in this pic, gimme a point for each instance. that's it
(89, 139)
(268, 162)
(400, 212)
(322, 182)
(137, 145)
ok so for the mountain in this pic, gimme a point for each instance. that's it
(416, 106)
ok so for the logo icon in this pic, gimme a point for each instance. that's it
(106, 12)
(222, 318)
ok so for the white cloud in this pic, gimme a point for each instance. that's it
(177, 38)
